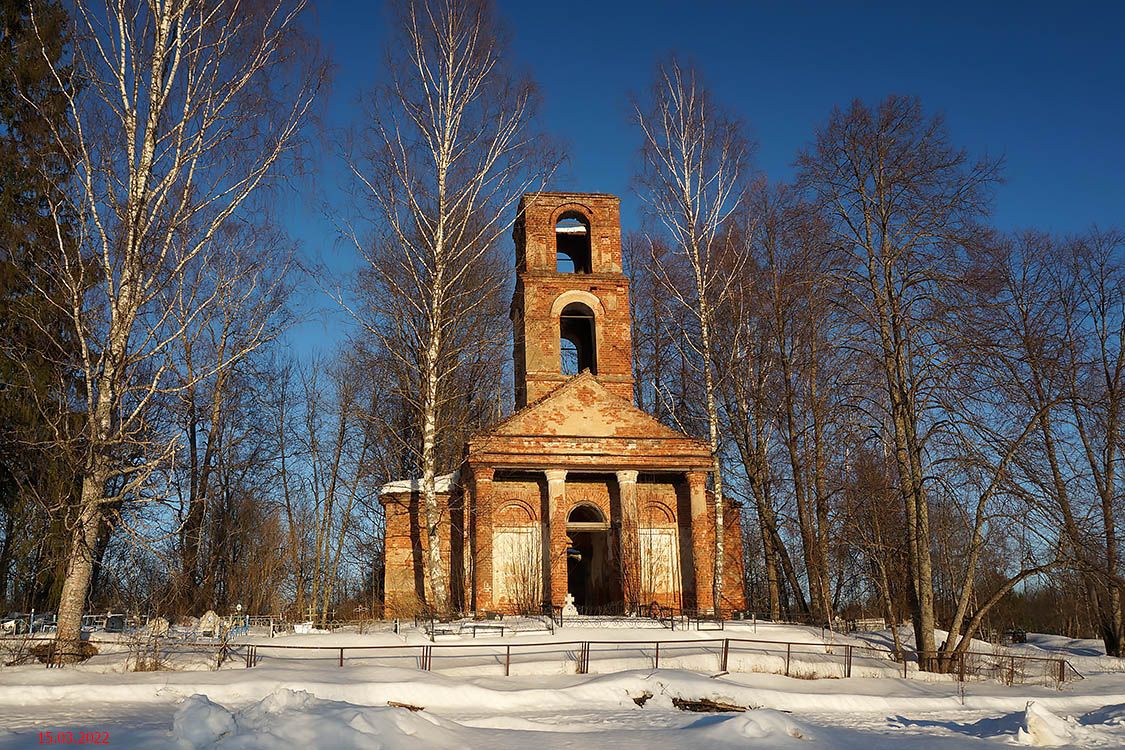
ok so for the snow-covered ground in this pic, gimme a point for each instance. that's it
(310, 702)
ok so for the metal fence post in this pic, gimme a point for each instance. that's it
(657, 664)
(341, 656)
(848, 660)
(726, 655)
(788, 653)
(507, 660)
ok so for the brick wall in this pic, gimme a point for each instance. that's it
(406, 547)
(541, 293)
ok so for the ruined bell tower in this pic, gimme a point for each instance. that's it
(578, 497)
(570, 310)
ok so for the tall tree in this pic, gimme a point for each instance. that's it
(694, 163)
(1098, 404)
(178, 117)
(903, 204)
(250, 288)
(449, 150)
(1052, 339)
(31, 166)
(795, 258)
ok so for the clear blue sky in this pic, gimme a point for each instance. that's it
(1040, 84)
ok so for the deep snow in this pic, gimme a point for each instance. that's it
(311, 703)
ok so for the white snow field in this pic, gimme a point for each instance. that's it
(304, 699)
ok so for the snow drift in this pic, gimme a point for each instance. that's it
(295, 718)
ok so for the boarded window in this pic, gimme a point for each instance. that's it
(660, 563)
(517, 571)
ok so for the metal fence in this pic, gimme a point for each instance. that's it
(707, 655)
(792, 659)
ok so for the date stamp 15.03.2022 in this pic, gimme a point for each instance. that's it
(81, 737)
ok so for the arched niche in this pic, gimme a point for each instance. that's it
(515, 513)
(655, 513)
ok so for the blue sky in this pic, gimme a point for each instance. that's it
(1040, 84)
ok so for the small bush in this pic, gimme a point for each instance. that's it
(58, 653)
(16, 651)
(145, 654)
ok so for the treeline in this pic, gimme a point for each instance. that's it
(917, 414)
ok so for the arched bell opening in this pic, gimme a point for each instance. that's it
(572, 243)
(578, 349)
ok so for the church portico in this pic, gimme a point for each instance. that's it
(578, 492)
(629, 534)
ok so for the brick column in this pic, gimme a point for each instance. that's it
(630, 541)
(556, 550)
(482, 546)
(702, 542)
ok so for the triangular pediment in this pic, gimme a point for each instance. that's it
(583, 407)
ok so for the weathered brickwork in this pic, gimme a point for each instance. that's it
(542, 293)
(579, 491)
(406, 545)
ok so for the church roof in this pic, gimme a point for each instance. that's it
(583, 422)
(583, 407)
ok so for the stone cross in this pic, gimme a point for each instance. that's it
(569, 610)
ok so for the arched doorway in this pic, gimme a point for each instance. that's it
(589, 572)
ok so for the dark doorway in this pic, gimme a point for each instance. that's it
(589, 571)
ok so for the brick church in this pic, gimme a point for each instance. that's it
(578, 491)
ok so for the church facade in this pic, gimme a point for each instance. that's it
(578, 492)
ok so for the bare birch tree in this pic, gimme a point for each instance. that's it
(448, 152)
(694, 163)
(180, 113)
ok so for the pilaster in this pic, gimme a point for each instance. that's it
(630, 539)
(555, 554)
(482, 543)
(702, 542)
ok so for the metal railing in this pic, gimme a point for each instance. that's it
(810, 660)
(793, 659)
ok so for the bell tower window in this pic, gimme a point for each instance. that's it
(572, 243)
(577, 345)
